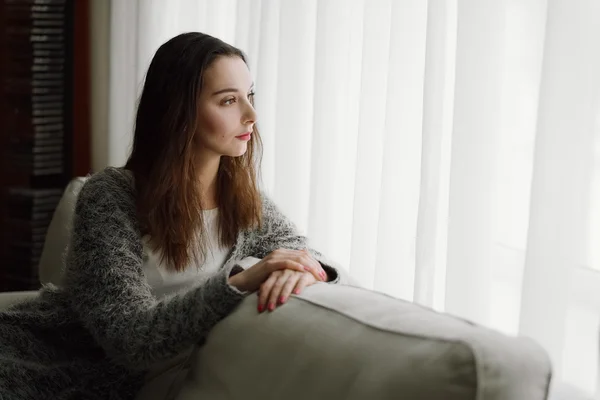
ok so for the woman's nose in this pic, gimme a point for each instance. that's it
(249, 115)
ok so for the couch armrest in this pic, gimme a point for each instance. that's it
(9, 298)
(337, 341)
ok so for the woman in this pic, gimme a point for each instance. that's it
(165, 247)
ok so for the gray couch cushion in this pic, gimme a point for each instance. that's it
(51, 266)
(342, 342)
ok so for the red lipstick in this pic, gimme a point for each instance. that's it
(245, 136)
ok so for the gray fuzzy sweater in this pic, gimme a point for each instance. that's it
(96, 336)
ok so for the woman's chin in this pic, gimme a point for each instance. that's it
(238, 152)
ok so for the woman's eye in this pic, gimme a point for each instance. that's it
(229, 101)
(251, 95)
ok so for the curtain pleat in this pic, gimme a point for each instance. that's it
(438, 96)
(370, 140)
(559, 212)
(477, 114)
(400, 180)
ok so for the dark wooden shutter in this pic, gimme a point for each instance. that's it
(44, 136)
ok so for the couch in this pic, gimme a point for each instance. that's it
(334, 342)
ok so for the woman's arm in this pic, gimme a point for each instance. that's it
(108, 290)
(279, 232)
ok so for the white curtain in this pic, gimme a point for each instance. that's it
(444, 151)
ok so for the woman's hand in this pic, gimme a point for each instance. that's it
(280, 285)
(281, 259)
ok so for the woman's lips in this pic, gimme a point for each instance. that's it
(245, 136)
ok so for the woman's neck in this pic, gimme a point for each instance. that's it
(209, 169)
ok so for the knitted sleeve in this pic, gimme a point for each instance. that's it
(106, 285)
(279, 232)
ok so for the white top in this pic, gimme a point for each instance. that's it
(165, 282)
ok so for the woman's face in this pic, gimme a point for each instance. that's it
(225, 113)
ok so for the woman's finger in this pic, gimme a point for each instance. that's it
(304, 258)
(307, 258)
(316, 265)
(265, 290)
(281, 264)
(289, 285)
(302, 284)
(277, 288)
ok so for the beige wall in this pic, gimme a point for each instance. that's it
(99, 36)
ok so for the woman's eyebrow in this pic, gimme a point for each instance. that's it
(225, 91)
(230, 90)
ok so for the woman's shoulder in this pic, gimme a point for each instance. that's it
(111, 178)
(272, 214)
(267, 202)
(110, 184)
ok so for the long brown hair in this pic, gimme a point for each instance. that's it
(163, 163)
